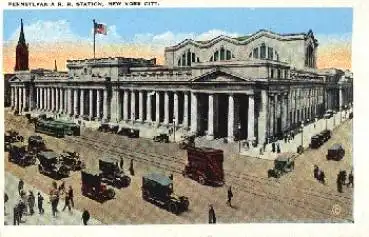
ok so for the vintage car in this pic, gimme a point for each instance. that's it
(104, 127)
(205, 165)
(51, 165)
(316, 141)
(129, 132)
(187, 141)
(19, 154)
(329, 114)
(72, 160)
(326, 134)
(112, 174)
(13, 136)
(336, 152)
(284, 163)
(93, 187)
(162, 137)
(36, 143)
(158, 189)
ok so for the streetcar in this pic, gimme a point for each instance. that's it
(50, 128)
(70, 128)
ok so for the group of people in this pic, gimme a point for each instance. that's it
(342, 180)
(26, 203)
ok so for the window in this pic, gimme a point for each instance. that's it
(250, 55)
(188, 58)
(183, 60)
(179, 62)
(256, 53)
(198, 60)
(271, 73)
(279, 73)
(216, 55)
(221, 54)
(262, 51)
(285, 73)
(270, 53)
(193, 57)
(229, 55)
(211, 59)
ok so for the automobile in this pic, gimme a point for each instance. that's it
(18, 154)
(51, 165)
(72, 160)
(316, 141)
(335, 152)
(205, 165)
(93, 187)
(326, 134)
(104, 127)
(36, 143)
(284, 163)
(129, 132)
(328, 114)
(162, 137)
(112, 174)
(158, 188)
(187, 141)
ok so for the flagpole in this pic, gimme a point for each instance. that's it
(94, 35)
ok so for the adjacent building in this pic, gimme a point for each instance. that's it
(250, 88)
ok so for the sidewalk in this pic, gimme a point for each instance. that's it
(308, 132)
(63, 218)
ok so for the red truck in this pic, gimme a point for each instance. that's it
(205, 165)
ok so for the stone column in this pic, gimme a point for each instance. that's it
(57, 106)
(166, 107)
(37, 98)
(230, 118)
(61, 99)
(41, 102)
(210, 134)
(24, 99)
(157, 108)
(148, 107)
(262, 120)
(114, 105)
(66, 101)
(125, 105)
(20, 99)
(140, 106)
(193, 113)
(52, 99)
(175, 109)
(75, 102)
(11, 97)
(276, 112)
(98, 97)
(17, 99)
(105, 105)
(271, 116)
(90, 104)
(133, 105)
(251, 119)
(340, 99)
(82, 103)
(185, 110)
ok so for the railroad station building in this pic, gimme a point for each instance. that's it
(249, 88)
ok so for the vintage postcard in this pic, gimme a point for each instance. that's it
(129, 113)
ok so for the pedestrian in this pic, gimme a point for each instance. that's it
(273, 147)
(278, 148)
(230, 196)
(322, 177)
(54, 199)
(212, 217)
(171, 176)
(131, 170)
(40, 200)
(339, 183)
(16, 214)
(121, 163)
(31, 202)
(20, 186)
(24, 199)
(344, 177)
(21, 208)
(62, 188)
(85, 216)
(351, 180)
(67, 202)
(71, 195)
(316, 171)
(285, 138)
(6, 198)
(264, 146)
(293, 135)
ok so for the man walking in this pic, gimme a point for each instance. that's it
(350, 180)
(339, 182)
(67, 202)
(85, 216)
(316, 171)
(230, 195)
(31, 202)
(121, 163)
(212, 217)
(40, 200)
(131, 170)
(70, 195)
(20, 186)
(16, 214)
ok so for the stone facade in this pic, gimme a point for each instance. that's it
(249, 88)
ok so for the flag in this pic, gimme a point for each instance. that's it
(100, 29)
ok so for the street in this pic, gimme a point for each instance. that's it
(295, 197)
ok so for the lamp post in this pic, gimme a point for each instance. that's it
(302, 133)
(174, 129)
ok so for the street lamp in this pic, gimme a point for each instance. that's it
(174, 129)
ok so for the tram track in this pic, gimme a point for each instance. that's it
(308, 199)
